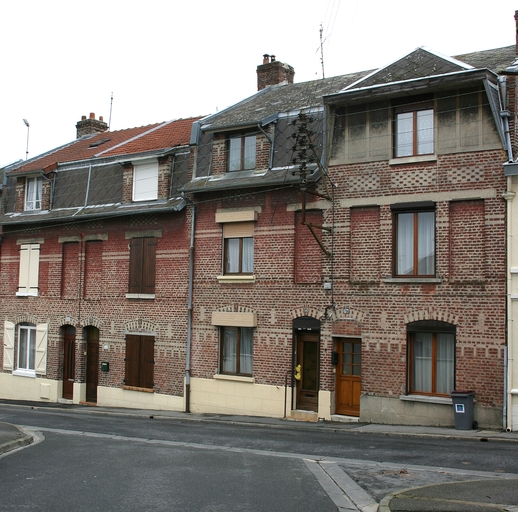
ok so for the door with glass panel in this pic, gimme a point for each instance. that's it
(348, 377)
(308, 348)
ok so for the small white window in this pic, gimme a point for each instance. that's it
(145, 182)
(33, 189)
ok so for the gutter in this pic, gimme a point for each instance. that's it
(189, 308)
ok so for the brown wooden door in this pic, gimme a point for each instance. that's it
(308, 348)
(348, 377)
(69, 361)
(92, 363)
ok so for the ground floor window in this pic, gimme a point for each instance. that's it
(431, 358)
(140, 361)
(26, 347)
(237, 350)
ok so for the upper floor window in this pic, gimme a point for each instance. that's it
(145, 181)
(33, 188)
(29, 269)
(414, 243)
(241, 152)
(238, 248)
(142, 266)
(414, 129)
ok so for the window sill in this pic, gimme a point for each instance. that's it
(236, 279)
(413, 159)
(426, 399)
(413, 280)
(24, 373)
(235, 378)
(145, 296)
(26, 294)
(136, 388)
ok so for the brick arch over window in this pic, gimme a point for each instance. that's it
(26, 319)
(92, 321)
(431, 314)
(308, 312)
(140, 325)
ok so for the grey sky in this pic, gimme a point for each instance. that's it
(170, 59)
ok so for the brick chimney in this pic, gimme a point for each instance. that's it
(272, 72)
(91, 125)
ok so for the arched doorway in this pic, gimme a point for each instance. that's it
(92, 363)
(307, 355)
(69, 361)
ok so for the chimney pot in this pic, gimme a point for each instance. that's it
(90, 126)
(273, 72)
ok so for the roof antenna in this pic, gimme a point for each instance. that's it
(110, 119)
(322, 50)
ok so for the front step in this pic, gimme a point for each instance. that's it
(300, 415)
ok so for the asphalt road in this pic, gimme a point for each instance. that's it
(94, 462)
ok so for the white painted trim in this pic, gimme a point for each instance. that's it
(426, 399)
(236, 378)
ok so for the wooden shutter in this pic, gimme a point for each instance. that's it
(29, 269)
(148, 265)
(41, 349)
(147, 361)
(132, 360)
(135, 265)
(142, 265)
(238, 229)
(8, 345)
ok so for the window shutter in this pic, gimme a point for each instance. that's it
(148, 265)
(29, 269)
(238, 229)
(145, 182)
(132, 359)
(41, 349)
(8, 345)
(135, 265)
(147, 361)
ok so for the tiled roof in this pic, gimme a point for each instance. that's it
(160, 136)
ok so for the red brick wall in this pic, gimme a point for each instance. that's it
(103, 303)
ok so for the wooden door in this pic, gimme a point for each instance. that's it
(92, 363)
(69, 361)
(348, 377)
(308, 348)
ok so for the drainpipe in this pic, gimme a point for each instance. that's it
(189, 308)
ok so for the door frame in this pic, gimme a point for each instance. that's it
(92, 363)
(352, 407)
(69, 361)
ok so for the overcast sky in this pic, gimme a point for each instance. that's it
(168, 59)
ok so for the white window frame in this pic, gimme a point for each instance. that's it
(145, 181)
(29, 270)
(39, 333)
(33, 191)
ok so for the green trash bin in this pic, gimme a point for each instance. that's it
(463, 409)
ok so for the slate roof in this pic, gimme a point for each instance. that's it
(154, 137)
(278, 98)
(289, 97)
(497, 59)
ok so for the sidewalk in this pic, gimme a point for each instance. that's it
(486, 495)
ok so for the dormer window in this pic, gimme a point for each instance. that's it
(33, 187)
(145, 181)
(414, 128)
(241, 152)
